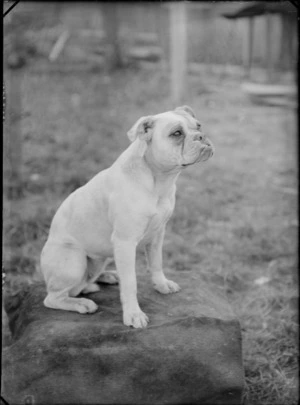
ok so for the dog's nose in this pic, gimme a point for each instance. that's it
(199, 136)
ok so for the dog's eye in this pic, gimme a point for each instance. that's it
(177, 133)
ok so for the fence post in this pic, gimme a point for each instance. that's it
(163, 29)
(178, 48)
(248, 49)
(111, 25)
(269, 53)
(12, 130)
(12, 136)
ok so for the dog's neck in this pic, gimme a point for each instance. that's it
(157, 169)
(142, 167)
(163, 178)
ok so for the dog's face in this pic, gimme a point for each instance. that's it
(173, 139)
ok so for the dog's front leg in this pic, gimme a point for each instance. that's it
(125, 253)
(154, 258)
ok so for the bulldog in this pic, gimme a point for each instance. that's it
(121, 209)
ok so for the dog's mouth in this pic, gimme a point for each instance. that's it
(189, 164)
(206, 153)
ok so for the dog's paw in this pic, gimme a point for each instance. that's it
(90, 288)
(85, 306)
(109, 277)
(137, 319)
(166, 286)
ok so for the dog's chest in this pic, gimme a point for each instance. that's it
(162, 214)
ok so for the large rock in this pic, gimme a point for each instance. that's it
(189, 354)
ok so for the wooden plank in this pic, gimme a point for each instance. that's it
(273, 90)
(178, 48)
(59, 45)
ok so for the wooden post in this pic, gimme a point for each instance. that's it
(288, 37)
(268, 44)
(12, 135)
(162, 27)
(111, 25)
(290, 42)
(283, 42)
(12, 131)
(248, 49)
(178, 48)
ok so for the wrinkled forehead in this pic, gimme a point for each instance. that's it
(170, 119)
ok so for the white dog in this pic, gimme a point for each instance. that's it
(122, 208)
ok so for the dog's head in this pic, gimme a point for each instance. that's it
(173, 139)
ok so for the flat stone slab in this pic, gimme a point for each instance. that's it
(190, 353)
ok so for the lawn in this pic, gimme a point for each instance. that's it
(235, 219)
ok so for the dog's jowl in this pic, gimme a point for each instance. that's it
(122, 208)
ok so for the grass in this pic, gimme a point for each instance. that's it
(242, 233)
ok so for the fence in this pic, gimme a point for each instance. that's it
(175, 33)
(211, 39)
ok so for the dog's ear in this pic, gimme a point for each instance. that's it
(143, 129)
(187, 109)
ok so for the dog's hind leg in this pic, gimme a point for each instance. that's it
(65, 272)
(90, 288)
(99, 274)
(63, 301)
(108, 276)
